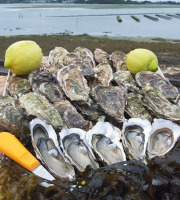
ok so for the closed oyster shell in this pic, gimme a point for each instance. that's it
(12, 118)
(70, 115)
(112, 100)
(104, 138)
(164, 135)
(104, 74)
(135, 107)
(135, 135)
(76, 148)
(44, 83)
(18, 86)
(46, 146)
(156, 81)
(101, 56)
(119, 60)
(73, 83)
(37, 105)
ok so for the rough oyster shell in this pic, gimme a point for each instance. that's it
(112, 100)
(125, 78)
(44, 83)
(70, 115)
(104, 74)
(12, 118)
(135, 107)
(135, 134)
(164, 135)
(73, 83)
(37, 105)
(119, 60)
(101, 56)
(18, 86)
(46, 146)
(156, 81)
(159, 104)
(104, 138)
(76, 148)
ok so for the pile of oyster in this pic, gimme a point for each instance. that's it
(84, 109)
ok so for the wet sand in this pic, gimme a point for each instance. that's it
(167, 51)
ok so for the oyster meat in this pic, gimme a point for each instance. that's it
(112, 100)
(119, 60)
(46, 146)
(70, 115)
(73, 83)
(135, 135)
(37, 105)
(104, 74)
(163, 137)
(76, 148)
(104, 138)
(101, 56)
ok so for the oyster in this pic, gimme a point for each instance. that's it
(70, 115)
(156, 81)
(55, 54)
(18, 86)
(159, 104)
(112, 100)
(135, 135)
(119, 60)
(135, 107)
(76, 148)
(12, 118)
(44, 83)
(104, 74)
(101, 56)
(73, 83)
(163, 137)
(45, 143)
(125, 78)
(37, 105)
(104, 138)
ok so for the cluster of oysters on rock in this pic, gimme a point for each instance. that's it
(83, 109)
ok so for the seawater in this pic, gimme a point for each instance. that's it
(18, 19)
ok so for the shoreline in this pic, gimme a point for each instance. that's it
(167, 50)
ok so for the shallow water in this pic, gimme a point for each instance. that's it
(17, 19)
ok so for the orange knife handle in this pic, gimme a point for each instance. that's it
(13, 148)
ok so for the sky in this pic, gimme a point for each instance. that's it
(161, 0)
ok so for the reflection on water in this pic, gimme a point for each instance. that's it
(54, 20)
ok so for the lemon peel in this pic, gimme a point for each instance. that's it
(141, 60)
(22, 57)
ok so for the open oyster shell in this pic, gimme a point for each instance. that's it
(112, 100)
(70, 115)
(76, 148)
(135, 135)
(46, 146)
(164, 135)
(156, 81)
(37, 105)
(73, 83)
(104, 138)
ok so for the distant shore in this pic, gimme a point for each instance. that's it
(167, 51)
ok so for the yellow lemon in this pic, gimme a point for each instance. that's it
(141, 60)
(22, 57)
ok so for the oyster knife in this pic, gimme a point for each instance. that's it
(14, 149)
